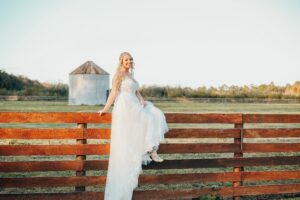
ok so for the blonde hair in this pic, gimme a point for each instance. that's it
(119, 75)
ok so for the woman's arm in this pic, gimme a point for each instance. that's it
(111, 98)
(141, 99)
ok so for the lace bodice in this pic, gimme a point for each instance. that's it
(129, 85)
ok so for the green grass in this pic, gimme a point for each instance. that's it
(186, 107)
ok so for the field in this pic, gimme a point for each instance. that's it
(184, 106)
(167, 107)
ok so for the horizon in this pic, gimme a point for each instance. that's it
(157, 85)
(173, 43)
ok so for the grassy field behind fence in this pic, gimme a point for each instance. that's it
(185, 107)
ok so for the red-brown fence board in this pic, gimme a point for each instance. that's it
(151, 179)
(271, 133)
(59, 149)
(266, 147)
(75, 165)
(166, 193)
(202, 133)
(271, 118)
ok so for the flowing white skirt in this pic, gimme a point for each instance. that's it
(135, 130)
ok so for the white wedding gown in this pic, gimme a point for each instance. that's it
(135, 130)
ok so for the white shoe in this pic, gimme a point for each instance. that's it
(155, 157)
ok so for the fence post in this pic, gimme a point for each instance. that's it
(239, 141)
(81, 157)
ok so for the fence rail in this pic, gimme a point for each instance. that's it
(233, 183)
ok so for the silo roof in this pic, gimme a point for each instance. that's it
(89, 67)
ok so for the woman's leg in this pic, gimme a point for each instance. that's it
(154, 156)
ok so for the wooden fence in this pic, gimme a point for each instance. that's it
(235, 183)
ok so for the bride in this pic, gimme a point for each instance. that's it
(137, 128)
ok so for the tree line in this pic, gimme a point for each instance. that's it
(270, 91)
(21, 85)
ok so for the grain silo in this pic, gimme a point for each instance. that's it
(88, 85)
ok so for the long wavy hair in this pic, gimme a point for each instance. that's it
(119, 75)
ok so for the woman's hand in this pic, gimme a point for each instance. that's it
(143, 103)
(101, 112)
(141, 99)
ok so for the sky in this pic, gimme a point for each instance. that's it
(187, 43)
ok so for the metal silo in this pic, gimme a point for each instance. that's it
(88, 85)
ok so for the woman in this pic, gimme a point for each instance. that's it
(137, 128)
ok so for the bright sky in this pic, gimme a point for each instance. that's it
(173, 42)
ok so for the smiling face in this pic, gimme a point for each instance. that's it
(127, 62)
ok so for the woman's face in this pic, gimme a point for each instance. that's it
(127, 62)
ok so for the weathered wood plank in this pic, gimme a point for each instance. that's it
(216, 163)
(93, 133)
(270, 175)
(271, 118)
(271, 133)
(40, 133)
(165, 194)
(97, 133)
(74, 165)
(203, 118)
(52, 181)
(100, 180)
(54, 117)
(31, 166)
(267, 147)
(223, 191)
(64, 149)
(199, 148)
(266, 189)
(54, 133)
(103, 149)
(84, 117)
(55, 196)
(137, 195)
(202, 133)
